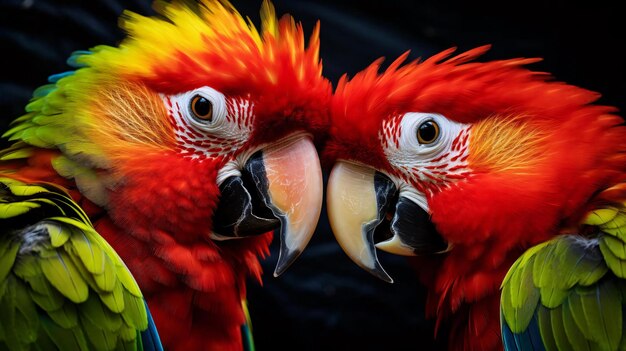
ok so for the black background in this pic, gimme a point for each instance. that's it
(324, 302)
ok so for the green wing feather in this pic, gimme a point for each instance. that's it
(570, 290)
(61, 285)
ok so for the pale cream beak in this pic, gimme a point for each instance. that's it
(354, 212)
(359, 199)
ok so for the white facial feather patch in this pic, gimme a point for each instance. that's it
(426, 167)
(228, 130)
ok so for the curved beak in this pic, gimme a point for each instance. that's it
(363, 204)
(280, 187)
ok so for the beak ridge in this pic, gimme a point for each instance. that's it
(291, 178)
(280, 187)
(357, 200)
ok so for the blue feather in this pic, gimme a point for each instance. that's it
(528, 340)
(72, 60)
(150, 337)
(44, 90)
(508, 338)
(534, 335)
(55, 77)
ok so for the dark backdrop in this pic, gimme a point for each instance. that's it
(324, 302)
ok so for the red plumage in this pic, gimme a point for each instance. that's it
(541, 156)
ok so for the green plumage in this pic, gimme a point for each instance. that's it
(54, 120)
(61, 285)
(574, 286)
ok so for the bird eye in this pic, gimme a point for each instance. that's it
(202, 108)
(427, 132)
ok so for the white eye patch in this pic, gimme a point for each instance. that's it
(409, 145)
(218, 102)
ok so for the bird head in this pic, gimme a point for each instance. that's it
(197, 126)
(472, 159)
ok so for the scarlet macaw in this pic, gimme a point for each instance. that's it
(196, 131)
(484, 168)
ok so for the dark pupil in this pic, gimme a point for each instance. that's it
(202, 107)
(427, 131)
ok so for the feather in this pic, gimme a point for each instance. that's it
(107, 280)
(127, 280)
(43, 293)
(7, 311)
(84, 225)
(150, 337)
(524, 297)
(619, 232)
(114, 300)
(66, 316)
(135, 313)
(558, 330)
(26, 190)
(508, 338)
(13, 152)
(14, 209)
(618, 221)
(44, 90)
(64, 339)
(617, 246)
(59, 235)
(544, 319)
(246, 329)
(579, 262)
(574, 334)
(545, 268)
(617, 266)
(8, 252)
(56, 77)
(587, 315)
(44, 342)
(601, 216)
(50, 301)
(90, 255)
(128, 333)
(17, 128)
(58, 282)
(98, 315)
(74, 59)
(529, 339)
(16, 154)
(64, 276)
(100, 339)
(602, 309)
(87, 181)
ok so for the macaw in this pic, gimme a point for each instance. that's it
(62, 286)
(185, 147)
(509, 188)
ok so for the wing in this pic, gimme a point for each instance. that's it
(62, 286)
(568, 293)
